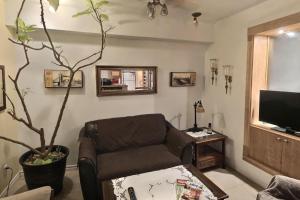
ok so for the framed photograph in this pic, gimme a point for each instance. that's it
(2, 89)
(182, 79)
(126, 80)
(61, 78)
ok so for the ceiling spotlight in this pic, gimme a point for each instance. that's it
(291, 34)
(151, 8)
(281, 31)
(195, 16)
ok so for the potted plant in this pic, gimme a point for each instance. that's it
(46, 164)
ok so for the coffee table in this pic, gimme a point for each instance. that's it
(108, 189)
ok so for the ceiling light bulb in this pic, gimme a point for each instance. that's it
(164, 10)
(291, 34)
(281, 31)
(195, 21)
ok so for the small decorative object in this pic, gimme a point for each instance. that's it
(121, 80)
(195, 17)
(209, 130)
(214, 70)
(151, 8)
(182, 79)
(228, 77)
(61, 78)
(2, 89)
(198, 108)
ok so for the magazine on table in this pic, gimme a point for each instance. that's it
(187, 190)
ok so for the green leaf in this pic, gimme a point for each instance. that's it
(24, 30)
(104, 17)
(85, 12)
(54, 4)
(100, 3)
(91, 5)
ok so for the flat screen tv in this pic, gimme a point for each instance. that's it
(280, 108)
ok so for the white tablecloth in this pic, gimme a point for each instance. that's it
(199, 134)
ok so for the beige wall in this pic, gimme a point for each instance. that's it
(9, 152)
(230, 47)
(84, 105)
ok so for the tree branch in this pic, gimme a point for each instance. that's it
(61, 112)
(22, 144)
(56, 55)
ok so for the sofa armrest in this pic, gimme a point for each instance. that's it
(87, 163)
(180, 144)
(281, 187)
(43, 193)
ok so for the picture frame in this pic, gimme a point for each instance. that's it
(60, 79)
(2, 88)
(125, 80)
(182, 79)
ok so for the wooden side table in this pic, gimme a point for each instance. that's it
(206, 156)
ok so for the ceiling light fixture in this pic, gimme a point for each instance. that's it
(151, 8)
(195, 16)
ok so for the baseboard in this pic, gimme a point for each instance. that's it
(15, 178)
(20, 173)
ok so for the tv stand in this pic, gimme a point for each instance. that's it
(286, 130)
(280, 129)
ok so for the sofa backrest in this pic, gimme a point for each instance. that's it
(127, 132)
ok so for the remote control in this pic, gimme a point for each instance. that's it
(131, 193)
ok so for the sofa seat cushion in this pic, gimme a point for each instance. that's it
(134, 161)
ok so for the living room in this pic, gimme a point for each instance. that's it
(189, 39)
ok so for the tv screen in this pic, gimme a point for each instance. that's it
(280, 108)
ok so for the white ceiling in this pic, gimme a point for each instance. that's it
(212, 10)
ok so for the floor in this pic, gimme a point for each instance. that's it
(229, 181)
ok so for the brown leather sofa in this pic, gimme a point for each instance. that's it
(118, 147)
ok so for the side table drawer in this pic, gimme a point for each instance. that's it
(211, 160)
(202, 164)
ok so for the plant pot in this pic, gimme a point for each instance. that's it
(51, 174)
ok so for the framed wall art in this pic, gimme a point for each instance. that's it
(2, 88)
(126, 80)
(61, 78)
(182, 79)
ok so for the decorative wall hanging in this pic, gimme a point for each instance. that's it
(214, 70)
(124, 80)
(60, 79)
(228, 77)
(182, 79)
(2, 89)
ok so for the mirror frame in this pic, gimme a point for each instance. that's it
(120, 93)
(2, 74)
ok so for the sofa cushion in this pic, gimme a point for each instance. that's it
(135, 161)
(128, 132)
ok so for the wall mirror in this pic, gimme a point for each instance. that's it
(2, 88)
(126, 80)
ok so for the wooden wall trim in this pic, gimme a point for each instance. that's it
(275, 24)
(252, 33)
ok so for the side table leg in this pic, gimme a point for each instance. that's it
(224, 154)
